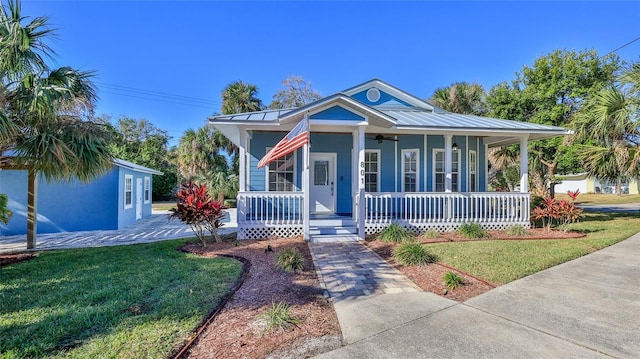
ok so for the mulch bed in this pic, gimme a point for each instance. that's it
(429, 277)
(239, 332)
(6, 259)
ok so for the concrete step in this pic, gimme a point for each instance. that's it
(332, 222)
(334, 238)
(331, 230)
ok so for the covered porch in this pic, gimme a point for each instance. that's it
(376, 155)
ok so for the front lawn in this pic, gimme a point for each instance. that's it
(504, 261)
(139, 301)
(602, 198)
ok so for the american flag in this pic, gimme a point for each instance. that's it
(296, 138)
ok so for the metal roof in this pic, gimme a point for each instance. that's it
(453, 120)
(420, 117)
(132, 166)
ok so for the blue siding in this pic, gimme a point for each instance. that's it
(337, 113)
(482, 172)
(386, 161)
(384, 97)
(407, 143)
(62, 206)
(127, 216)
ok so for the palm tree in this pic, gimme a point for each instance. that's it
(198, 154)
(608, 131)
(239, 97)
(43, 112)
(461, 97)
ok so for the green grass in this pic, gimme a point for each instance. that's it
(504, 261)
(601, 198)
(452, 280)
(139, 301)
(163, 206)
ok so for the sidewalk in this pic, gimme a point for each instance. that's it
(585, 308)
(151, 229)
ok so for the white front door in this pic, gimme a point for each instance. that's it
(322, 169)
(138, 198)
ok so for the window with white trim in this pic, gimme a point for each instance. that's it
(410, 170)
(473, 171)
(439, 173)
(147, 189)
(128, 191)
(281, 174)
(372, 170)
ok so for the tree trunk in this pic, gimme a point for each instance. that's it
(552, 179)
(32, 213)
(619, 186)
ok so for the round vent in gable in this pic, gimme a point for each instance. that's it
(373, 94)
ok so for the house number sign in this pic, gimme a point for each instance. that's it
(362, 174)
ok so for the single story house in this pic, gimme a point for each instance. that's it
(115, 200)
(377, 155)
(588, 184)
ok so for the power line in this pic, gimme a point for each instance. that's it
(157, 96)
(161, 100)
(623, 46)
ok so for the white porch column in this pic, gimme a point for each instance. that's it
(524, 164)
(354, 175)
(361, 200)
(243, 160)
(448, 155)
(306, 210)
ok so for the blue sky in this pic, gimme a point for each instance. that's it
(192, 50)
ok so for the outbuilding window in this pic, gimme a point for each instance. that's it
(128, 191)
(147, 189)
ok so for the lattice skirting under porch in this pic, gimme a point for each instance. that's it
(373, 228)
(261, 231)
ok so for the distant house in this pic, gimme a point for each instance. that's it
(117, 199)
(378, 155)
(587, 184)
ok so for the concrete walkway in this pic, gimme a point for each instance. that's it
(151, 229)
(586, 308)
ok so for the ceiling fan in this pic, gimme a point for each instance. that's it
(381, 138)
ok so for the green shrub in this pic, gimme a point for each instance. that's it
(290, 260)
(518, 231)
(452, 280)
(431, 233)
(279, 316)
(411, 253)
(395, 233)
(472, 230)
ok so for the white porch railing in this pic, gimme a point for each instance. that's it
(279, 214)
(269, 214)
(445, 211)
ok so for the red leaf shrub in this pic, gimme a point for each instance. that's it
(551, 211)
(199, 210)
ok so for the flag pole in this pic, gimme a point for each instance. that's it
(306, 211)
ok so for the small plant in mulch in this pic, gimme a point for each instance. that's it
(472, 230)
(431, 233)
(452, 280)
(290, 260)
(395, 233)
(518, 231)
(411, 253)
(279, 316)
